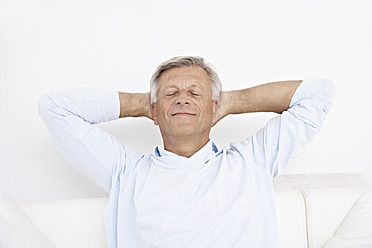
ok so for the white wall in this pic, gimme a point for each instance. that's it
(54, 45)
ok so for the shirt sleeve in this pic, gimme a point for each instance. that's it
(70, 117)
(285, 135)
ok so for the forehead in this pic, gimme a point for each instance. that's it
(194, 75)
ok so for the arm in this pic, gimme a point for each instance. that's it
(271, 97)
(303, 107)
(70, 117)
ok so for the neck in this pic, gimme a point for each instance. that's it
(184, 146)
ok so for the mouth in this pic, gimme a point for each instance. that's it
(183, 114)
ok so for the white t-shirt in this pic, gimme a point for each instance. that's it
(216, 198)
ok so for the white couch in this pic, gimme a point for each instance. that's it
(308, 215)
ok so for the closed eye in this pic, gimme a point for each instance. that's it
(171, 93)
(194, 93)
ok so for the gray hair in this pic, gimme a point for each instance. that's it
(186, 61)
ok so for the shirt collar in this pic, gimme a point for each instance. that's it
(204, 154)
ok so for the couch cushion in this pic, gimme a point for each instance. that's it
(291, 219)
(74, 223)
(356, 229)
(320, 181)
(17, 229)
(326, 209)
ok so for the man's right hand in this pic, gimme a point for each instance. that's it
(223, 107)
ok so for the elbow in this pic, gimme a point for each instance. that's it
(46, 105)
(321, 93)
(328, 94)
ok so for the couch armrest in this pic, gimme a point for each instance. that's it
(73, 223)
(325, 211)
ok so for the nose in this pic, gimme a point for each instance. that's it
(182, 98)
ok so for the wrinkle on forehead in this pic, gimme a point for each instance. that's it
(189, 85)
(189, 76)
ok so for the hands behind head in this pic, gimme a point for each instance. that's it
(222, 109)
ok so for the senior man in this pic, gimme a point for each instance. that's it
(188, 193)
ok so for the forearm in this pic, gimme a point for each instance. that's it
(271, 97)
(135, 105)
(291, 130)
(70, 117)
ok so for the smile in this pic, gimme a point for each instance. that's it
(183, 114)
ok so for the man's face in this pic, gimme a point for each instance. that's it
(185, 106)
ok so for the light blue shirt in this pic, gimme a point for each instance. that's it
(216, 198)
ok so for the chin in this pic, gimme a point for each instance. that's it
(184, 129)
(184, 132)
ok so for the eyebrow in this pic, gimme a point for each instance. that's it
(175, 86)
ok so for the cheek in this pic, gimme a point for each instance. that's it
(208, 111)
(161, 110)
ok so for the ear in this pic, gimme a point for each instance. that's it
(215, 108)
(153, 112)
